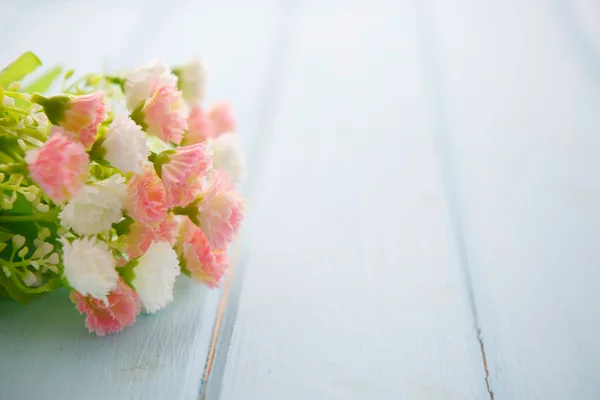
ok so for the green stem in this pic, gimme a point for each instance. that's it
(13, 154)
(5, 158)
(40, 289)
(16, 264)
(76, 82)
(115, 80)
(19, 95)
(11, 133)
(49, 216)
(34, 133)
(31, 132)
(12, 167)
(17, 110)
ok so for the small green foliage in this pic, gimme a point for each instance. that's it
(44, 82)
(20, 68)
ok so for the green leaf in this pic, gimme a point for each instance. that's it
(21, 206)
(12, 290)
(5, 235)
(69, 74)
(20, 68)
(127, 271)
(43, 83)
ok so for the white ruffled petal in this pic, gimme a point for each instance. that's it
(139, 82)
(155, 276)
(96, 207)
(89, 267)
(125, 145)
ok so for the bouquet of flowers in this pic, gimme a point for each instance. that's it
(114, 187)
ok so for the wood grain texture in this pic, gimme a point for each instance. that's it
(45, 350)
(521, 87)
(351, 285)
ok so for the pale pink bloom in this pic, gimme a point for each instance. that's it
(200, 128)
(184, 172)
(221, 118)
(220, 210)
(118, 312)
(165, 114)
(59, 167)
(83, 115)
(146, 197)
(140, 237)
(204, 264)
(141, 82)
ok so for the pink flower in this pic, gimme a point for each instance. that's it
(165, 114)
(60, 166)
(140, 236)
(221, 118)
(220, 210)
(146, 197)
(122, 307)
(204, 264)
(200, 128)
(83, 115)
(183, 172)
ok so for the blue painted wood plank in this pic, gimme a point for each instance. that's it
(45, 350)
(350, 286)
(520, 85)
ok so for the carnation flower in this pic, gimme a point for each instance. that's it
(154, 276)
(118, 312)
(200, 128)
(219, 210)
(79, 116)
(227, 155)
(204, 264)
(191, 82)
(221, 118)
(164, 114)
(59, 167)
(89, 267)
(83, 116)
(96, 207)
(142, 82)
(182, 171)
(140, 236)
(125, 145)
(146, 197)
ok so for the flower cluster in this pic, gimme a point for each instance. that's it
(115, 206)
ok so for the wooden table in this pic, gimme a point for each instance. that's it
(423, 204)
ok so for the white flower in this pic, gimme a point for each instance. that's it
(96, 207)
(155, 275)
(192, 81)
(89, 267)
(140, 82)
(125, 145)
(227, 155)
